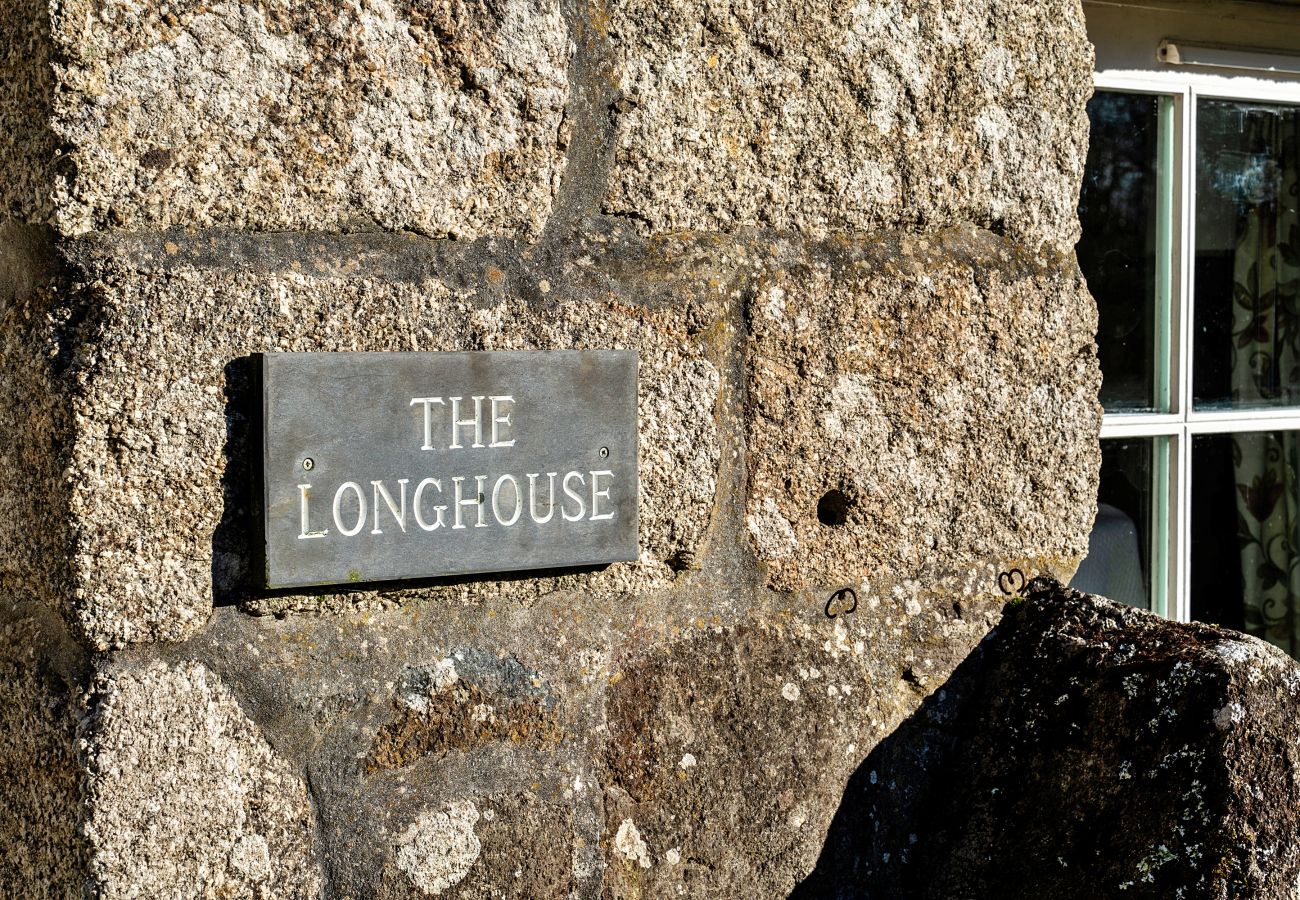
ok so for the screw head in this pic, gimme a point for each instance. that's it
(308, 464)
(604, 452)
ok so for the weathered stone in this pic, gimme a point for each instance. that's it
(27, 146)
(901, 395)
(161, 464)
(869, 313)
(464, 776)
(512, 846)
(447, 119)
(45, 856)
(1095, 750)
(186, 798)
(838, 334)
(34, 335)
(729, 748)
(681, 701)
(856, 117)
(469, 699)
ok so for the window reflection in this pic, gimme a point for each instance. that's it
(1247, 271)
(1117, 252)
(1118, 564)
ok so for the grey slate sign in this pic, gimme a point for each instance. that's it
(382, 466)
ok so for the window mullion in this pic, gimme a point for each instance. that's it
(1178, 603)
(1163, 529)
(1141, 425)
(1280, 419)
(1180, 544)
(1183, 249)
(1167, 233)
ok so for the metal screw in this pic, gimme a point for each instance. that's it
(604, 452)
(308, 464)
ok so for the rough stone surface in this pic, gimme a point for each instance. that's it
(151, 507)
(729, 748)
(850, 350)
(851, 117)
(510, 846)
(186, 798)
(27, 146)
(839, 239)
(35, 333)
(443, 118)
(161, 463)
(1088, 750)
(636, 695)
(920, 404)
(44, 855)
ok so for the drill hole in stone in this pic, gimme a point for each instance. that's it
(833, 508)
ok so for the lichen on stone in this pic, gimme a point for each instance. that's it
(629, 844)
(437, 850)
(441, 708)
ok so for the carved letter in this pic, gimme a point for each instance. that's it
(496, 494)
(532, 498)
(415, 502)
(482, 500)
(597, 493)
(502, 420)
(338, 508)
(457, 422)
(477, 500)
(568, 492)
(381, 491)
(304, 494)
(428, 418)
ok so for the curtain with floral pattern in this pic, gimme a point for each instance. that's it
(1266, 369)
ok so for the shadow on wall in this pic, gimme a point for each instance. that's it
(873, 842)
(238, 531)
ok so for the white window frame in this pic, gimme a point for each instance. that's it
(1182, 423)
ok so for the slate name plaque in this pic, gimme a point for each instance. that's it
(383, 466)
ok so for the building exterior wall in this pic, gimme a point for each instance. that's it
(840, 238)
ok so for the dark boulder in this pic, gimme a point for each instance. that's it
(1085, 750)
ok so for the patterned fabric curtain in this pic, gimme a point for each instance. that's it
(1266, 369)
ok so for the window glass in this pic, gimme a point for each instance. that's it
(1246, 350)
(1245, 570)
(1118, 250)
(1118, 564)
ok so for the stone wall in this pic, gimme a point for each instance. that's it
(42, 802)
(840, 239)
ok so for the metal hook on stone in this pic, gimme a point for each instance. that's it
(843, 594)
(1011, 582)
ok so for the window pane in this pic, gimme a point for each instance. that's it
(1245, 522)
(1247, 322)
(1119, 561)
(1120, 248)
